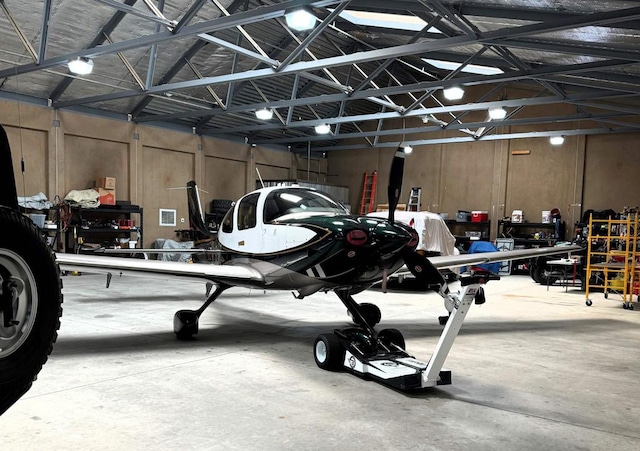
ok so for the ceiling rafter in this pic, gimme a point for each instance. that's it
(362, 62)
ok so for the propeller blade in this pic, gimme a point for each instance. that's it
(395, 181)
(424, 271)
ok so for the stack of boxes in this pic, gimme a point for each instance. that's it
(106, 187)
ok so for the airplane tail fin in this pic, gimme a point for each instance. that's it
(196, 218)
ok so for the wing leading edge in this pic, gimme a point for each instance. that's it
(454, 261)
(231, 275)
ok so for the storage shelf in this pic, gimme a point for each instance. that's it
(79, 232)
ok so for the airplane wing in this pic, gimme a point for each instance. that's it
(241, 275)
(454, 261)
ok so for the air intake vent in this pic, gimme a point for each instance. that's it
(167, 217)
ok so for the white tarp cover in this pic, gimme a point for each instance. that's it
(434, 234)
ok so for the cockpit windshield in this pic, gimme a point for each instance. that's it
(287, 201)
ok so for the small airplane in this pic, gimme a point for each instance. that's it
(301, 240)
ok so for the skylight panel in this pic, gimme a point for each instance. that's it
(470, 68)
(386, 20)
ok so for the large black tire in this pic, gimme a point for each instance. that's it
(27, 260)
(328, 352)
(541, 274)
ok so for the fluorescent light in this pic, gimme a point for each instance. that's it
(80, 66)
(264, 114)
(497, 113)
(470, 68)
(556, 140)
(323, 129)
(300, 20)
(453, 93)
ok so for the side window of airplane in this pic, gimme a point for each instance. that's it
(227, 221)
(247, 211)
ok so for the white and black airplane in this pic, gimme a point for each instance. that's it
(301, 240)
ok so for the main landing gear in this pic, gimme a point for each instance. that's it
(382, 355)
(185, 322)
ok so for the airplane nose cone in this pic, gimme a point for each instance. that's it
(392, 236)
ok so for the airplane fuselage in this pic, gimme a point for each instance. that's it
(301, 239)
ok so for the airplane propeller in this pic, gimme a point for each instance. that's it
(395, 181)
(418, 264)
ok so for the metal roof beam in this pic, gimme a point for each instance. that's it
(98, 40)
(390, 52)
(136, 12)
(238, 49)
(496, 137)
(317, 30)
(511, 103)
(189, 15)
(391, 90)
(44, 29)
(221, 23)
(23, 38)
(433, 128)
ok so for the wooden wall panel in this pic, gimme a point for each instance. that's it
(87, 159)
(543, 180)
(612, 172)
(224, 179)
(466, 178)
(165, 169)
(32, 146)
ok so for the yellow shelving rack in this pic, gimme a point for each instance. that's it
(614, 265)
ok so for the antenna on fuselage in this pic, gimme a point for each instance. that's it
(260, 177)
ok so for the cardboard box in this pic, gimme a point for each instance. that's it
(107, 196)
(106, 183)
(479, 216)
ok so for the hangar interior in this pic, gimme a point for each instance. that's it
(225, 92)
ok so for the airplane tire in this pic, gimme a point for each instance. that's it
(185, 324)
(328, 352)
(28, 264)
(371, 313)
(391, 336)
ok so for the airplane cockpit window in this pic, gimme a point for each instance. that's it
(286, 201)
(247, 209)
(227, 221)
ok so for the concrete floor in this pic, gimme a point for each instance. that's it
(532, 369)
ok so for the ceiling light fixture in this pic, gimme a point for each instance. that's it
(300, 20)
(264, 114)
(80, 65)
(453, 93)
(556, 140)
(406, 148)
(323, 129)
(497, 113)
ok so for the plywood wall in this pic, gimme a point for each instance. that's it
(63, 150)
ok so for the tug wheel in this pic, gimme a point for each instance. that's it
(391, 337)
(30, 304)
(328, 352)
